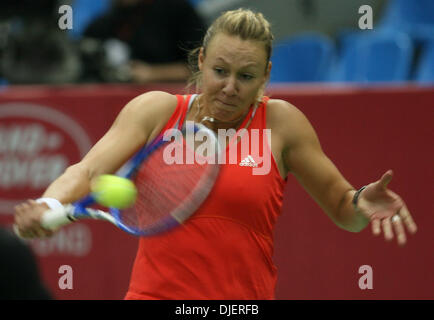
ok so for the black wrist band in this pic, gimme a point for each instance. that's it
(356, 196)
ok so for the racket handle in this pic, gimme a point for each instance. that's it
(57, 217)
(53, 219)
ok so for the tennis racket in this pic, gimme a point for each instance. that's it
(169, 192)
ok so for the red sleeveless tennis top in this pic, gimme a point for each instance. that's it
(224, 251)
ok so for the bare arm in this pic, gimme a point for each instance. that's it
(138, 122)
(304, 158)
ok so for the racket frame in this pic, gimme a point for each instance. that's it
(57, 217)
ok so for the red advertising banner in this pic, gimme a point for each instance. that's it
(365, 131)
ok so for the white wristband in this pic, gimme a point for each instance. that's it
(56, 216)
(51, 202)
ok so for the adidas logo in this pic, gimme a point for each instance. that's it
(248, 162)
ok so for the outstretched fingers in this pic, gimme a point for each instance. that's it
(390, 214)
(385, 179)
(376, 227)
(387, 229)
(408, 220)
(395, 226)
(399, 230)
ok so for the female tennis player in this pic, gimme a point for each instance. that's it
(224, 251)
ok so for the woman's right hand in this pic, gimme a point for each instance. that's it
(28, 219)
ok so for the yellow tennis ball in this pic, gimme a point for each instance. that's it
(114, 191)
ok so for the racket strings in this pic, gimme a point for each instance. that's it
(168, 190)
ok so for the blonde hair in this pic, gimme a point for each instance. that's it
(244, 23)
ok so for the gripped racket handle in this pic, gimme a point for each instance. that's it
(55, 218)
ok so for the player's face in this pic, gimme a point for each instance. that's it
(233, 72)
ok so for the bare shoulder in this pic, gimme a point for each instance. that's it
(156, 103)
(139, 121)
(149, 111)
(278, 108)
(288, 121)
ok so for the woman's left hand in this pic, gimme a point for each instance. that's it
(386, 210)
